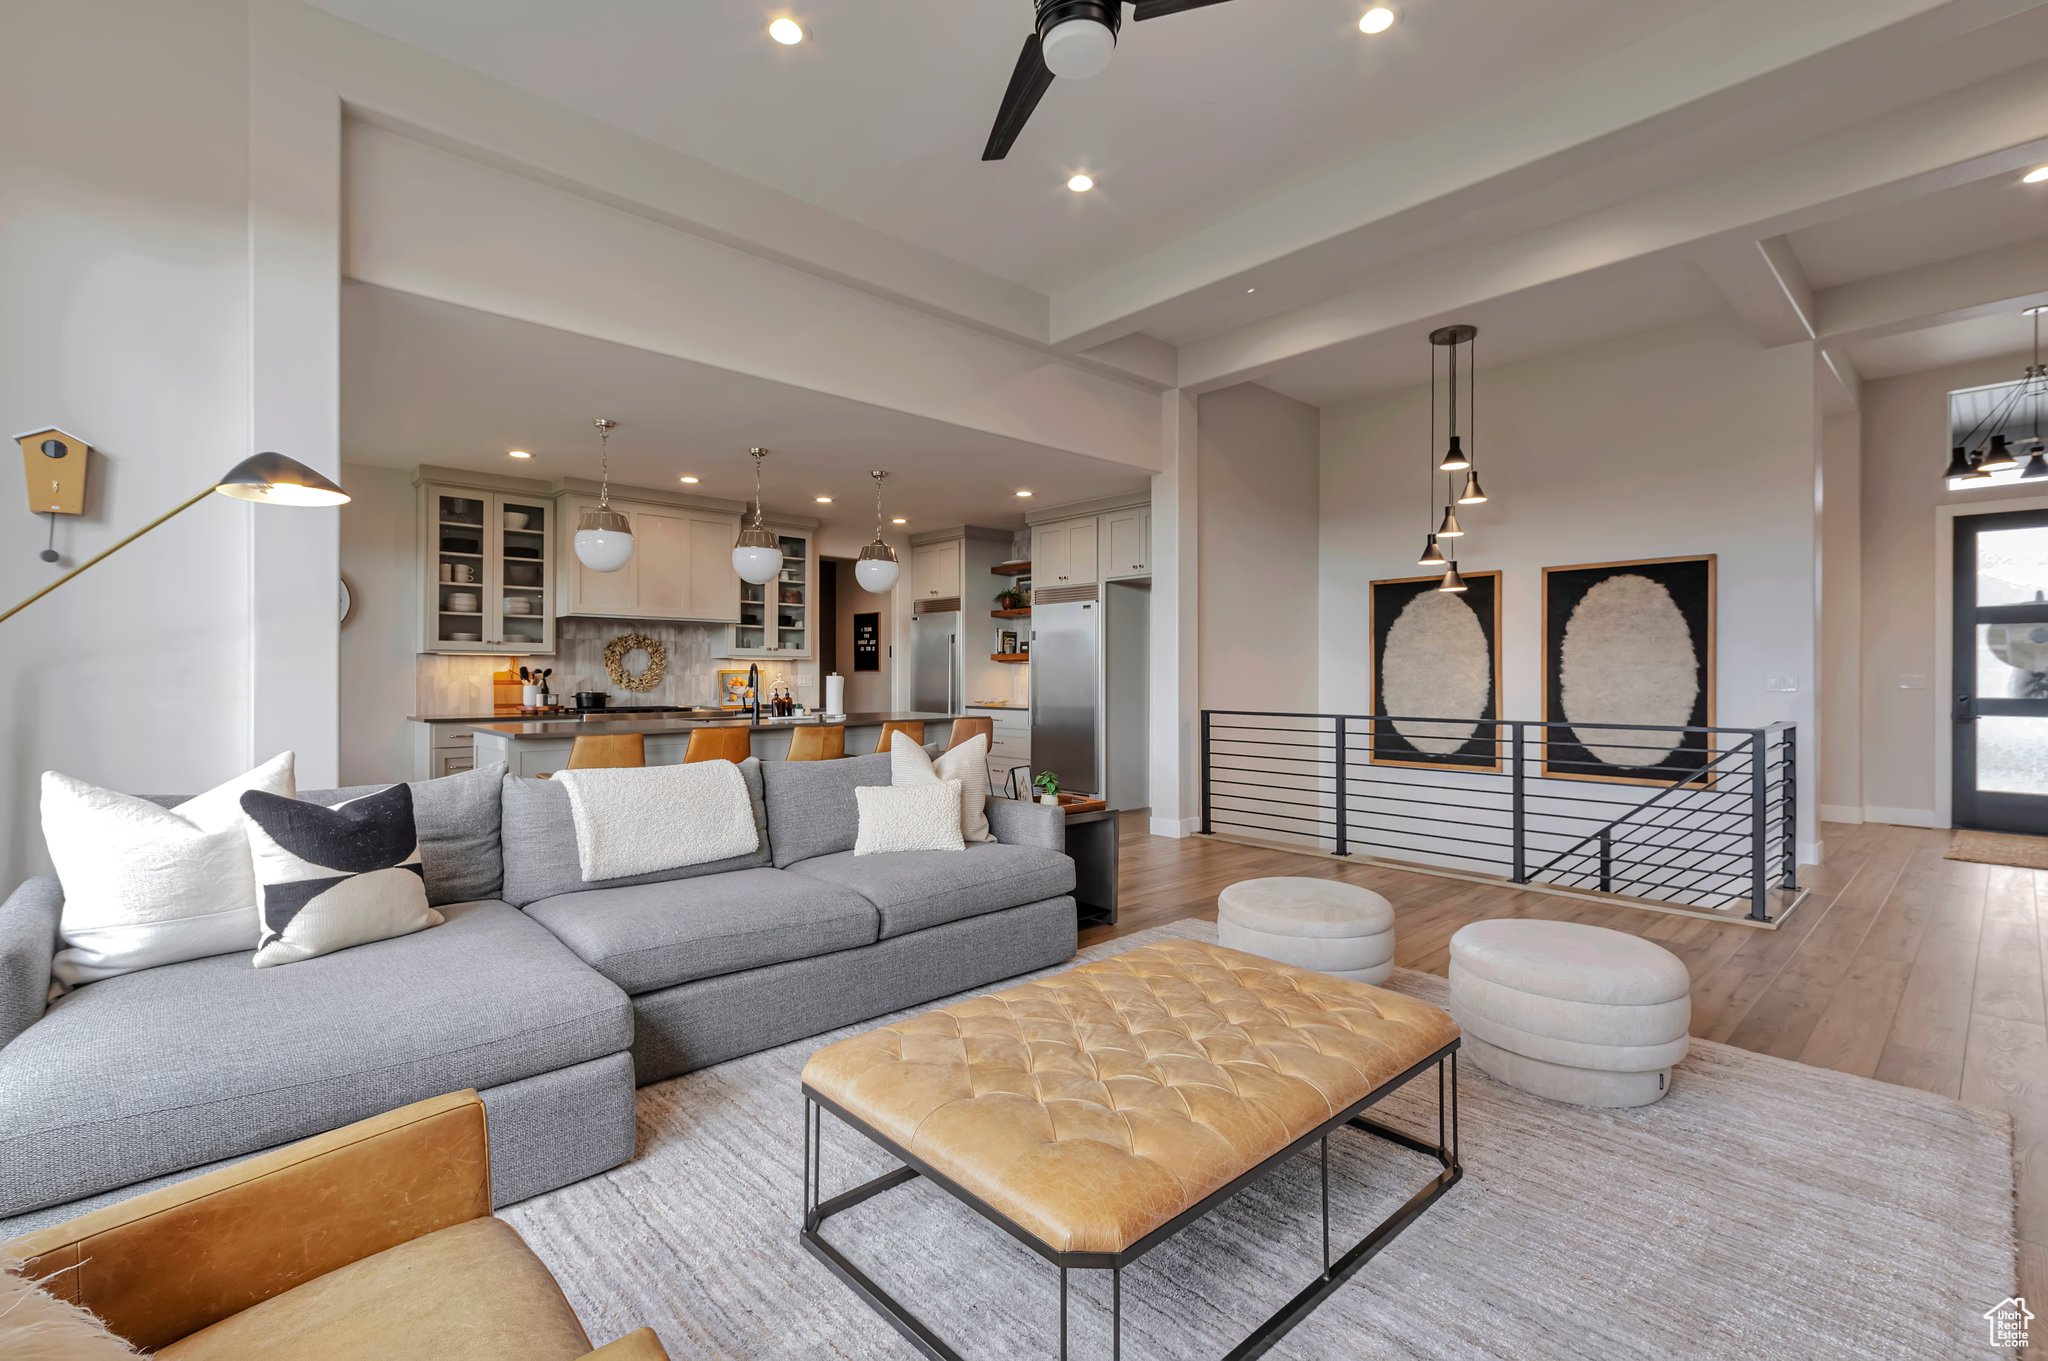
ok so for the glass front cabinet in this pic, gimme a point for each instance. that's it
(775, 619)
(489, 562)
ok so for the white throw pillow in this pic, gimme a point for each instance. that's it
(967, 763)
(146, 886)
(335, 877)
(923, 817)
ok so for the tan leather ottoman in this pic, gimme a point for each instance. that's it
(1096, 1112)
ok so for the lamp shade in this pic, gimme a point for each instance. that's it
(1473, 494)
(1456, 460)
(1958, 463)
(1452, 582)
(877, 569)
(278, 481)
(2037, 466)
(757, 556)
(1450, 528)
(604, 539)
(1998, 457)
(1432, 556)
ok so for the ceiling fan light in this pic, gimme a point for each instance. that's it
(1449, 529)
(1078, 48)
(1474, 494)
(1456, 460)
(1452, 582)
(1432, 556)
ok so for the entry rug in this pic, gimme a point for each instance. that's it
(1998, 848)
(1762, 1209)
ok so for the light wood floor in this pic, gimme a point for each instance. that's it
(1901, 966)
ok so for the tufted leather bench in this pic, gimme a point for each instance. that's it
(1095, 1112)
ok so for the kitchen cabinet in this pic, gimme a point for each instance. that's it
(1064, 553)
(681, 566)
(935, 570)
(774, 620)
(1127, 543)
(442, 749)
(486, 557)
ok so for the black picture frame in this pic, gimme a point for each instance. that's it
(1690, 583)
(1387, 746)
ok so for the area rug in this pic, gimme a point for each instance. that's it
(1763, 1209)
(1998, 848)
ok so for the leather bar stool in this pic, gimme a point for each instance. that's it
(824, 742)
(609, 751)
(967, 729)
(719, 744)
(911, 727)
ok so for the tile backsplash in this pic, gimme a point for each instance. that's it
(454, 685)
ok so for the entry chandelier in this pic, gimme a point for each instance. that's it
(877, 567)
(1455, 458)
(604, 537)
(2001, 450)
(757, 555)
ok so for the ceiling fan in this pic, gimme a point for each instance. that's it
(1075, 39)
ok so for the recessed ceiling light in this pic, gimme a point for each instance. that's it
(1080, 184)
(1378, 19)
(1251, 290)
(517, 453)
(2035, 176)
(824, 500)
(1024, 491)
(786, 31)
(899, 520)
(689, 479)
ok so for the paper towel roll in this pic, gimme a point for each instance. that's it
(835, 694)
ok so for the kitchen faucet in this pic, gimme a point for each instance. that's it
(754, 690)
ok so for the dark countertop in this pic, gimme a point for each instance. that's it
(655, 724)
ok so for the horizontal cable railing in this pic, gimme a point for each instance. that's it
(1700, 817)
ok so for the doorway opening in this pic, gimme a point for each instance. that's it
(2000, 720)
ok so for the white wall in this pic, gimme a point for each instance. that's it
(1257, 525)
(1905, 443)
(1689, 439)
(1841, 650)
(124, 270)
(379, 684)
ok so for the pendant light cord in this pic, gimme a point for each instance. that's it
(878, 505)
(1429, 489)
(604, 462)
(758, 454)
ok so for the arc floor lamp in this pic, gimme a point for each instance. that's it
(268, 479)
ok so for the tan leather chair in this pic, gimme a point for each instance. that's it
(825, 742)
(376, 1239)
(719, 744)
(967, 729)
(608, 751)
(911, 727)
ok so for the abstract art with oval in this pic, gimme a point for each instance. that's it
(1629, 643)
(1435, 671)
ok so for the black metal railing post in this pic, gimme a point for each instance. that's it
(1607, 859)
(1518, 813)
(1343, 779)
(1207, 829)
(1789, 830)
(1759, 832)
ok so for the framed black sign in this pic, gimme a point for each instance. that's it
(867, 642)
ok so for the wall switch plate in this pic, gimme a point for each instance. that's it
(1912, 680)
(1788, 685)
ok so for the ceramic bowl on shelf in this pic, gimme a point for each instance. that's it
(518, 604)
(522, 574)
(461, 602)
(516, 519)
(465, 637)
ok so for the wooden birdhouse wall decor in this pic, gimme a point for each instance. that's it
(55, 463)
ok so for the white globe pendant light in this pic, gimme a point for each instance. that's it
(757, 555)
(604, 537)
(877, 568)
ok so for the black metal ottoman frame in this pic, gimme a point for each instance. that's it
(818, 1208)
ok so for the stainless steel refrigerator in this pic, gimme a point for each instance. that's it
(1066, 651)
(938, 659)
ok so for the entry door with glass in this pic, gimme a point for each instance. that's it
(2001, 672)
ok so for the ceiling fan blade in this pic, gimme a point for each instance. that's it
(1028, 84)
(1157, 9)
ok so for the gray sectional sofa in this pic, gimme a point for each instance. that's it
(552, 996)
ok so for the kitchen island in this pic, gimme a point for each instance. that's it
(541, 746)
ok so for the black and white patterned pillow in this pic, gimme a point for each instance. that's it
(330, 878)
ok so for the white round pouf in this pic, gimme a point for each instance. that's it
(1320, 924)
(1574, 1013)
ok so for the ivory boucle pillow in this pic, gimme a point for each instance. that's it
(910, 764)
(923, 817)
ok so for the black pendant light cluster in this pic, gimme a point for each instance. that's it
(2001, 450)
(1455, 459)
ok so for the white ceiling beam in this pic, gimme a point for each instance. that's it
(1842, 389)
(1718, 63)
(1764, 284)
(1996, 126)
(2005, 278)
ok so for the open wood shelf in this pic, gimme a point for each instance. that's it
(1024, 613)
(1012, 569)
(1009, 656)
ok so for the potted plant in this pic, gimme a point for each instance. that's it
(1048, 786)
(1010, 598)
